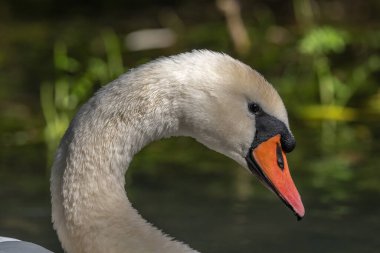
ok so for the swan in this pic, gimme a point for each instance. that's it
(212, 97)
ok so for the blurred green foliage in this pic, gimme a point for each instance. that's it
(334, 82)
(334, 92)
(323, 40)
(74, 84)
(324, 63)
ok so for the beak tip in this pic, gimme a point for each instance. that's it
(300, 213)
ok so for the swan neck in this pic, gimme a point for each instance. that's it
(90, 209)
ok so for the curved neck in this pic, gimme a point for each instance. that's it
(90, 208)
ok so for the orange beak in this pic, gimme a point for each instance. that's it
(268, 162)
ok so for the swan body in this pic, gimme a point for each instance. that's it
(11, 245)
(201, 94)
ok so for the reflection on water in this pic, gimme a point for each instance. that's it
(218, 208)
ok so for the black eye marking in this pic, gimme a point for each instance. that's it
(254, 108)
(268, 126)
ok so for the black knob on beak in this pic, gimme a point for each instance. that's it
(288, 142)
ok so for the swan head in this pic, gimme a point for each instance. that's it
(231, 108)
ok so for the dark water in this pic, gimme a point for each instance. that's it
(262, 224)
(208, 202)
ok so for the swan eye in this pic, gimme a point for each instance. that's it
(254, 108)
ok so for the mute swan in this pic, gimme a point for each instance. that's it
(209, 96)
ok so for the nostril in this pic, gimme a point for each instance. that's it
(280, 159)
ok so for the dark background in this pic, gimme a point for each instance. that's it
(322, 57)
